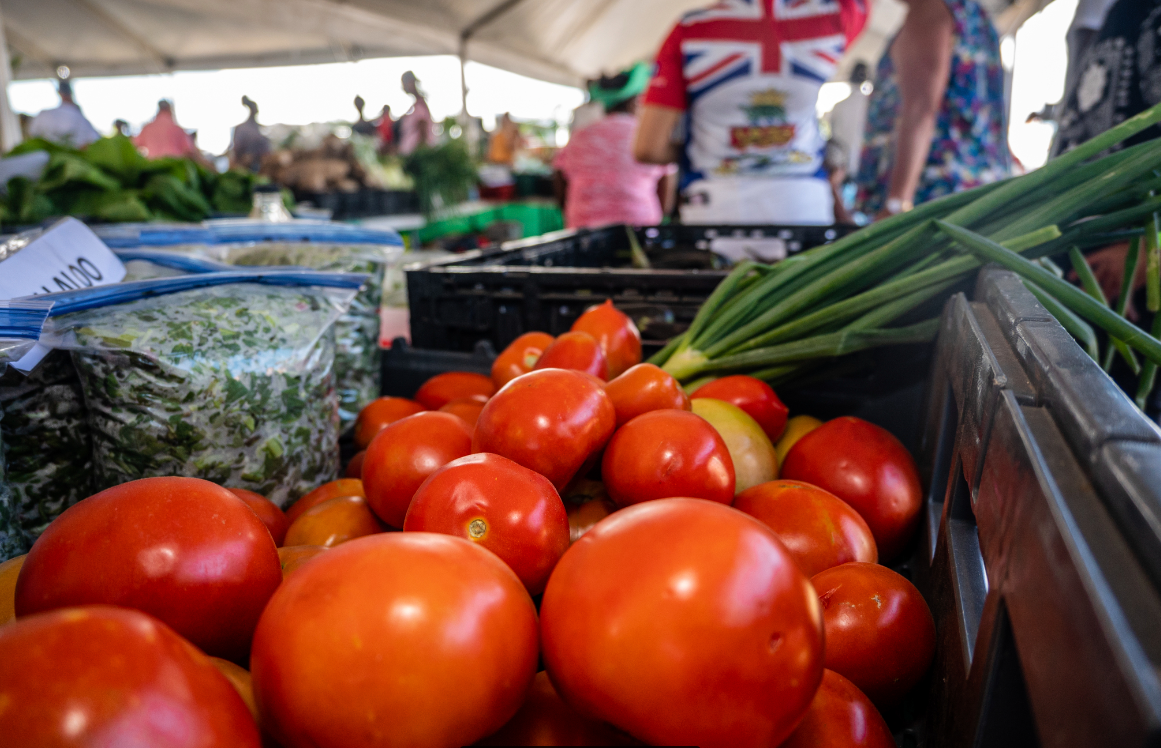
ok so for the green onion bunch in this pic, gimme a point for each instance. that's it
(777, 322)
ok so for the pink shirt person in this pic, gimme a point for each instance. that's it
(164, 137)
(606, 185)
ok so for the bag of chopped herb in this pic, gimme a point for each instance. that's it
(223, 376)
(20, 325)
(336, 248)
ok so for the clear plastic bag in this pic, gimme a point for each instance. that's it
(48, 449)
(20, 325)
(357, 356)
(228, 381)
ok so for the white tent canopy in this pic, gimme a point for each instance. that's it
(563, 41)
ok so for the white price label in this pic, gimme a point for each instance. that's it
(66, 257)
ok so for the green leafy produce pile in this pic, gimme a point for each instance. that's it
(781, 322)
(110, 180)
(443, 174)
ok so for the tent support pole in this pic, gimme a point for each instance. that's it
(469, 31)
(10, 134)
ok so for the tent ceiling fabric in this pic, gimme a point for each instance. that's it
(564, 41)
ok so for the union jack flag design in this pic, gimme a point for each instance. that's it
(737, 38)
(748, 73)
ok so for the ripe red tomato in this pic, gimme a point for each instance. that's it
(582, 517)
(753, 396)
(879, 632)
(294, 556)
(841, 716)
(819, 529)
(544, 719)
(683, 622)
(578, 351)
(267, 511)
(9, 572)
(552, 421)
(499, 505)
(381, 413)
(333, 522)
(402, 456)
(326, 492)
(666, 453)
(397, 639)
(239, 678)
(104, 676)
(616, 333)
(453, 385)
(868, 468)
(355, 466)
(519, 357)
(467, 408)
(643, 388)
(181, 549)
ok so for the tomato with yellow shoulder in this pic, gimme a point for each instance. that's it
(796, 428)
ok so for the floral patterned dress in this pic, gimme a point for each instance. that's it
(970, 146)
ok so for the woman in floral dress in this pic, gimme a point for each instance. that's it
(936, 120)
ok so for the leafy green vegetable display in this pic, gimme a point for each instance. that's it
(48, 450)
(110, 180)
(357, 359)
(234, 384)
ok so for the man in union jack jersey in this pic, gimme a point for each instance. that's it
(745, 74)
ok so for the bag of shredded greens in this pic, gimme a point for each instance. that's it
(318, 245)
(357, 362)
(223, 376)
(20, 325)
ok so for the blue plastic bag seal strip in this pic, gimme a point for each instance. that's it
(23, 318)
(233, 231)
(230, 232)
(66, 302)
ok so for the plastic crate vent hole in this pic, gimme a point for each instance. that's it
(1006, 719)
(969, 576)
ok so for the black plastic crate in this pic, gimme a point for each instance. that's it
(1049, 623)
(546, 282)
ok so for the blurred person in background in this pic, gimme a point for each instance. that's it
(164, 137)
(1114, 73)
(587, 113)
(598, 180)
(744, 77)
(121, 127)
(248, 145)
(505, 141)
(362, 125)
(385, 126)
(64, 124)
(415, 127)
(936, 118)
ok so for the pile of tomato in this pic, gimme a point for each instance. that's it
(572, 551)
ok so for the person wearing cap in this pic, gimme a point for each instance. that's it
(65, 124)
(599, 182)
(743, 76)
